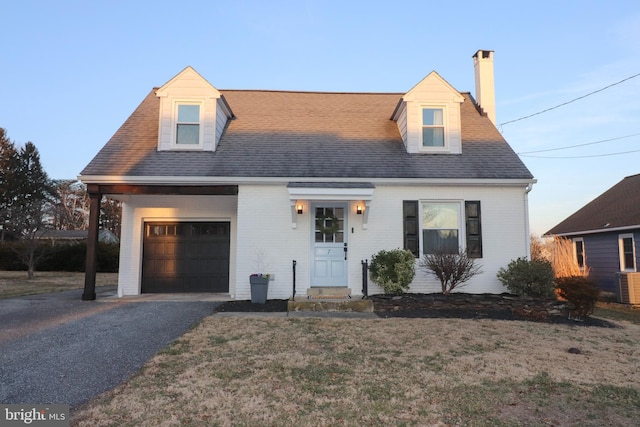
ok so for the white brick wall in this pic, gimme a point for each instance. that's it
(264, 241)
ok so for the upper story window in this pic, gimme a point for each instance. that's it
(188, 124)
(433, 127)
(626, 245)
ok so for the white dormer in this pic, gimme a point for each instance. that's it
(193, 113)
(428, 117)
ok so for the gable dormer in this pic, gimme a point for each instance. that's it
(193, 113)
(428, 117)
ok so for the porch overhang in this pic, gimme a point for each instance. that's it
(334, 191)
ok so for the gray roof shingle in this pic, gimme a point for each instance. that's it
(619, 206)
(307, 135)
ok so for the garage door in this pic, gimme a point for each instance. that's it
(186, 257)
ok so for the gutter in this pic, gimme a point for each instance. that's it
(527, 228)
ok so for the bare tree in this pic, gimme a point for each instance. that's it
(451, 268)
(111, 215)
(69, 208)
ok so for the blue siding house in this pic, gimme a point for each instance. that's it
(604, 233)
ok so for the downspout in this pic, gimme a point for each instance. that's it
(527, 229)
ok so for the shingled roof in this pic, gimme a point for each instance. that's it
(615, 208)
(307, 135)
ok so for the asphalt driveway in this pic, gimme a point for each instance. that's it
(55, 348)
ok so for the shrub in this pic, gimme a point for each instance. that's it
(581, 294)
(528, 278)
(393, 270)
(64, 257)
(452, 269)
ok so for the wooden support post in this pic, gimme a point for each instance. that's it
(92, 248)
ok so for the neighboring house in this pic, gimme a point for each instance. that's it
(604, 233)
(74, 236)
(219, 184)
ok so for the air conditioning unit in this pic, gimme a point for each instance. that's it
(629, 288)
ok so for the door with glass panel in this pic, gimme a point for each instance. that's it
(330, 250)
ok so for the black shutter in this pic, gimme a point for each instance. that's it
(474, 229)
(410, 226)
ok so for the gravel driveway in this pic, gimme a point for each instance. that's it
(55, 348)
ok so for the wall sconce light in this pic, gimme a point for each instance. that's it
(359, 210)
(299, 209)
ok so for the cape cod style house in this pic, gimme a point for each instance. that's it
(219, 184)
(604, 234)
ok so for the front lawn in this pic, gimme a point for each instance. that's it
(326, 372)
(15, 283)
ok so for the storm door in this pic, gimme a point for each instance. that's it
(329, 247)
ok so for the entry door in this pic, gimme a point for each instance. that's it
(329, 246)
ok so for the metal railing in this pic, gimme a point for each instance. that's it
(365, 278)
(294, 279)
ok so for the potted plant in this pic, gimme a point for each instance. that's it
(259, 287)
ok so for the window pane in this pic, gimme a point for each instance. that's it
(440, 215)
(188, 134)
(627, 248)
(440, 240)
(433, 137)
(432, 117)
(188, 113)
(579, 253)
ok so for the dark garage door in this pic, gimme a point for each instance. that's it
(185, 257)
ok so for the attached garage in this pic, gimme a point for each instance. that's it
(186, 257)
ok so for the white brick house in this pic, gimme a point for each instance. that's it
(219, 184)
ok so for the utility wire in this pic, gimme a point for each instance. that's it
(578, 145)
(569, 102)
(581, 157)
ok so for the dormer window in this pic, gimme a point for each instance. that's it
(433, 127)
(188, 124)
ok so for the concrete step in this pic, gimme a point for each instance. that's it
(329, 292)
(343, 305)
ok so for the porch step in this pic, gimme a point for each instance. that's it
(329, 292)
(343, 305)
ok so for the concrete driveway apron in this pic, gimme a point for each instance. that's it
(55, 348)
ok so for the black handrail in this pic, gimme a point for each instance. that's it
(294, 279)
(365, 278)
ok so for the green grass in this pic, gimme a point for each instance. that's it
(617, 312)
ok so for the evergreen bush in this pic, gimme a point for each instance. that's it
(528, 278)
(393, 270)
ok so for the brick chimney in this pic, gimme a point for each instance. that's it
(485, 88)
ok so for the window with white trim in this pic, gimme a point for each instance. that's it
(578, 251)
(449, 225)
(627, 247)
(433, 131)
(188, 124)
(440, 227)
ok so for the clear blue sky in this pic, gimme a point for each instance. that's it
(72, 71)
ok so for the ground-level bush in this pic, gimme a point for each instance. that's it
(393, 270)
(528, 278)
(580, 292)
(453, 270)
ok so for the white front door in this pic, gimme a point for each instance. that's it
(329, 248)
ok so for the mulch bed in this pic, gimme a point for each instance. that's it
(454, 306)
